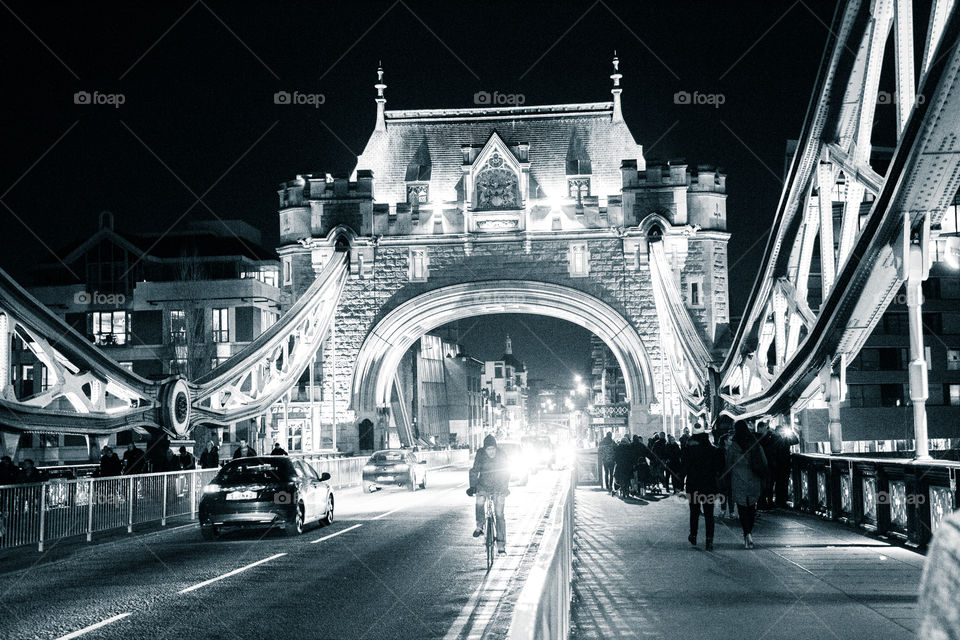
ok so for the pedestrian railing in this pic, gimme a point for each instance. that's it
(40, 512)
(543, 606)
(897, 498)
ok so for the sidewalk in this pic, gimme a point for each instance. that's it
(636, 576)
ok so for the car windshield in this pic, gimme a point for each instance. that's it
(388, 456)
(255, 470)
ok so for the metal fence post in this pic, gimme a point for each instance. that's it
(163, 507)
(130, 505)
(90, 512)
(43, 508)
(193, 495)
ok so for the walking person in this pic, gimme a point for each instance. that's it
(244, 450)
(210, 458)
(278, 450)
(786, 438)
(623, 466)
(606, 453)
(672, 452)
(702, 464)
(133, 460)
(640, 465)
(655, 446)
(746, 465)
(768, 440)
(110, 464)
(187, 461)
(722, 432)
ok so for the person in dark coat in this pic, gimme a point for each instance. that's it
(702, 464)
(278, 450)
(210, 458)
(722, 432)
(671, 451)
(640, 465)
(8, 471)
(769, 440)
(490, 476)
(187, 461)
(746, 483)
(786, 438)
(110, 464)
(133, 460)
(244, 450)
(606, 452)
(685, 436)
(171, 461)
(29, 473)
(658, 459)
(623, 466)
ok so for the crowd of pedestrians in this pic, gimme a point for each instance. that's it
(25, 473)
(736, 466)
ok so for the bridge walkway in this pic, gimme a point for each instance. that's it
(637, 576)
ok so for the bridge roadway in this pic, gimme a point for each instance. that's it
(393, 565)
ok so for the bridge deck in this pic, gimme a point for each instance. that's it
(637, 576)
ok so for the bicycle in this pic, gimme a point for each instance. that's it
(490, 531)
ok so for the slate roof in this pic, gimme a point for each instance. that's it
(551, 131)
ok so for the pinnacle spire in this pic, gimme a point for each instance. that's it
(381, 100)
(616, 90)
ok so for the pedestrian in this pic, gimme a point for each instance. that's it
(623, 466)
(702, 464)
(210, 458)
(110, 464)
(606, 453)
(786, 438)
(171, 461)
(187, 461)
(768, 440)
(722, 432)
(29, 473)
(133, 459)
(277, 450)
(672, 453)
(640, 465)
(244, 450)
(939, 614)
(8, 471)
(658, 463)
(747, 466)
(685, 435)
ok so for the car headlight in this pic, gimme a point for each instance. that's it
(400, 467)
(369, 468)
(212, 488)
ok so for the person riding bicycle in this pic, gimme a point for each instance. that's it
(490, 476)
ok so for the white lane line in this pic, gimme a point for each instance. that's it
(230, 573)
(102, 623)
(445, 491)
(334, 535)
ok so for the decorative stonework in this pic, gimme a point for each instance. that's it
(497, 188)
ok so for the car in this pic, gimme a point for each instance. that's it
(394, 467)
(518, 461)
(540, 451)
(265, 491)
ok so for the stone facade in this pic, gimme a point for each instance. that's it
(590, 242)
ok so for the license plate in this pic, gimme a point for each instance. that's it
(384, 478)
(241, 495)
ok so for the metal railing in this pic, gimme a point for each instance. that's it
(41, 512)
(543, 607)
(897, 498)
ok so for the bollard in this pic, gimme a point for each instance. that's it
(90, 512)
(163, 507)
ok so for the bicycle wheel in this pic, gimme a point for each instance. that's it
(491, 541)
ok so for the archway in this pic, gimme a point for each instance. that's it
(396, 332)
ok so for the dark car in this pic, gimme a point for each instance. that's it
(265, 491)
(394, 467)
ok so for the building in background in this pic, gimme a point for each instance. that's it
(506, 383)
(179, 302)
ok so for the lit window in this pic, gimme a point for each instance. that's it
(953, 359)
(418, 193)
(221, 325)
(295, 437)
(419, 266)
(109, 327)
(952, 394)
(178, 326)
(579, 258)
(578, 188)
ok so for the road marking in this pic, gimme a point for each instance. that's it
(230, 573)
(333, 535)
(445, 491)
(102, 623)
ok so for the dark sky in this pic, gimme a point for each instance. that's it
(199, 134)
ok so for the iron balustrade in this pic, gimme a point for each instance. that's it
(56, 509)
(905, 500)
(543, 606)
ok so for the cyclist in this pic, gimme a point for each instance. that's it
(490, 476)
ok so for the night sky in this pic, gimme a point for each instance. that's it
(198, 135)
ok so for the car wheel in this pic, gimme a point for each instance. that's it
(295, 527)
(209, 532)
(369, 488)
(327, 518)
